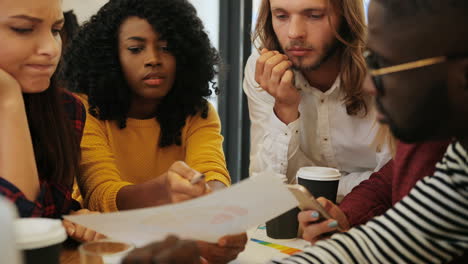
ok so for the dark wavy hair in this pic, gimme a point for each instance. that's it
(55, 142)
(92, 63)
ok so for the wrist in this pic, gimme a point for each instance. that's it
(287, 114)
(12, 102)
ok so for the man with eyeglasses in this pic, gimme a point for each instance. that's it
(419, 68)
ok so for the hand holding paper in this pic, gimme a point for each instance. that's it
(208, 218)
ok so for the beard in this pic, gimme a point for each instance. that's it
(424, 120)
(299, 63)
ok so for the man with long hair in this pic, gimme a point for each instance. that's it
(304, 90)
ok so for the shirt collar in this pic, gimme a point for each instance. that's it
(302, 84)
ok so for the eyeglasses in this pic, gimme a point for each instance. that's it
(376, 71)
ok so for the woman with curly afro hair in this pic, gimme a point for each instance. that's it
(143, 69)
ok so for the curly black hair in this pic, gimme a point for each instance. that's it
(92, 66)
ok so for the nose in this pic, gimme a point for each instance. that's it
(368, 86)
(153, 58)
(296, 28)
(49, 45)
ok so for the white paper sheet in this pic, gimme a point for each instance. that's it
(229, 211)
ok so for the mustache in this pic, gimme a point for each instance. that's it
(298, 43)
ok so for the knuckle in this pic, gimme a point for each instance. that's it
(270, 63)
(277, 71)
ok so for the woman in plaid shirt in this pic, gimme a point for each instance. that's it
(39, 147)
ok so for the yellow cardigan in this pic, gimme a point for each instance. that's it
(113, 158)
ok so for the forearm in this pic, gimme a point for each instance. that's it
(349, 181)
(17, 161)
(370, 198)
(151, 193)
(277, 144)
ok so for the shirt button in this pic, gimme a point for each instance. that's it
(322, 101)
(326, 139)
(286, 133)
(297, 131)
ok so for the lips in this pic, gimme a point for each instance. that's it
(153, 79)
(42, 68)
(298, 51)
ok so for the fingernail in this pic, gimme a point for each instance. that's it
(70, 231)
(333, 224)
(315, 214)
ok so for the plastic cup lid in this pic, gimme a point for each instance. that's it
(319, 173)
(34, 233)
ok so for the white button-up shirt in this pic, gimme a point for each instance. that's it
(323, 135)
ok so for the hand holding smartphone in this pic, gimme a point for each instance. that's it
(308, 202)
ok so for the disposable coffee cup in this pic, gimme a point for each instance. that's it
(320, 181)
(104, 251)
(8, 251)
(40, 239)
(284, 226)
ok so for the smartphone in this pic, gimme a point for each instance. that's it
(308, 202)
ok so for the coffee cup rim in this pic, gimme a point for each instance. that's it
(326, 173)
(35, 233)
(82, 247)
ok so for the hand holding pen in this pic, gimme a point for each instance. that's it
(185, 183)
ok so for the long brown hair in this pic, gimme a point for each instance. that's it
(56, 146)
(352, 36)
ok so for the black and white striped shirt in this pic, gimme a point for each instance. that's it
(430, 225)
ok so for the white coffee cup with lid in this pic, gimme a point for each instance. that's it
(40, 239)
(8, 251)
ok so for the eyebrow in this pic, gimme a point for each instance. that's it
(279, 9)
(140, 39)
(37, 20)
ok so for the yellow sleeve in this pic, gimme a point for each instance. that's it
(204, 151)
(100, 179)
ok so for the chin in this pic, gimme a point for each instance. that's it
(37, 86)
(305, 64)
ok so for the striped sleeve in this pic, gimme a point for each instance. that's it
(430, 225)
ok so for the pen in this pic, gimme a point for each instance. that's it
(197, 179)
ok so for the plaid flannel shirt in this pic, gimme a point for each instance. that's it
(54, 200)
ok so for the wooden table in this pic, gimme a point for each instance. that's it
(254, 253)
(70, 254)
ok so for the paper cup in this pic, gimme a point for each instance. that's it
(284, 226)
(40, 239)
(8, 250)
(105, 251)
(320, 181)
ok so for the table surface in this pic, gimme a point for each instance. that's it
(70, 254)
(254, 253)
